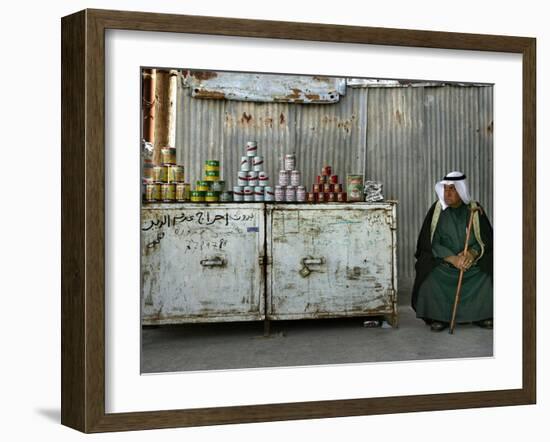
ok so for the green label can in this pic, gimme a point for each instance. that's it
(197, 196)
(203, 186)
(212, 197)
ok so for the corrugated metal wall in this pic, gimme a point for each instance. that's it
(405, 137)
(414, 137)
(318, 134)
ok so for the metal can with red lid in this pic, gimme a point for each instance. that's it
(269, 195)
(258, 193)
(263, 179)
(251, 148)
(242, 178)
(258, 163)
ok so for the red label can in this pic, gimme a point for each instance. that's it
(326, 171)
(321, 197)
(330, 197)
(333, 179)
(316, 188)
(327, 188)
(337, 188)
(341, 197)
(321, 179)
(310, 198)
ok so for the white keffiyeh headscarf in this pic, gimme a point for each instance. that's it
(457, 179)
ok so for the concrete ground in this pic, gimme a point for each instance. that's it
(192, 347)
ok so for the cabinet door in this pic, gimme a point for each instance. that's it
(201, 263)
(330, 261)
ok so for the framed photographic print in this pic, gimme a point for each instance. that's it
(255, 215)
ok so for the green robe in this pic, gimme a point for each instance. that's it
(437, 293)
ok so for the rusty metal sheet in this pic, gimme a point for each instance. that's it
(331, 260)
(200, 263)
(264, 87)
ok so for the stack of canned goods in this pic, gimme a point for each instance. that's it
(327, 188)
(165, 182)
(252, 180)
(211, 189)
(289, 188)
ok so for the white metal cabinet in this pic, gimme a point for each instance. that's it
(201, 262)
(330, 260)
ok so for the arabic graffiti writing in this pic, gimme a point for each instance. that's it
(200, 218)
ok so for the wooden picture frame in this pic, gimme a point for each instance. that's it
(83, 220)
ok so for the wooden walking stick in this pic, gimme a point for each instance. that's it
(460, 276)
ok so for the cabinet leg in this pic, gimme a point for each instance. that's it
(267, 325)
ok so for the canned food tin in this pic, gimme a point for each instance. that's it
(168, 192)
(175, 174)
(203, 186)
(248, 193)
(211, 175)
(160, 174)
(226, 196)
(284, 178)
(333, 179)
(197, 196)
(263, 179)
(212, 165)
(354, 187)
(321, 197)
(258, 163)
(290, 194)
(326, 171)
(147, 172)
(341, 197)
(337, 188)
(168, 155)
(258, 193)
(253, 178)
(269, 195)
(217, 186)
(290, 161)
(245, 164)
(300, 194)
(152, 192)
(321, 179)
(251, 148)
(295, 178)
(182, 191)
(212, 197)
(316, 188)
(330, 197)
(311, 197)
(242, 178)
(238, 193)
(327, 188)
(279, 193)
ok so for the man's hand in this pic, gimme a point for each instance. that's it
(460, 261)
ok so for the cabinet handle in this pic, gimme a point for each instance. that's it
(213, 262)
(312, 261)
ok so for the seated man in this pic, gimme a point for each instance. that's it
(439, 259)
